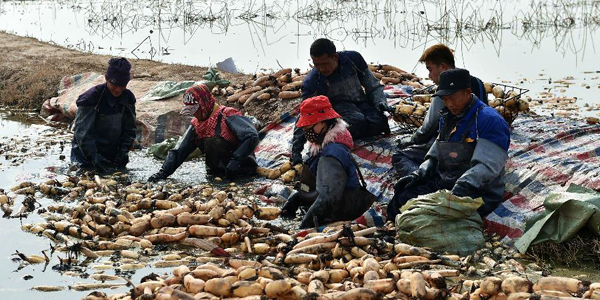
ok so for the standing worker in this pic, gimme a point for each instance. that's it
(469, 153)
(104, 127)
(437, 59)
(354, 92)
(225, 136)
(330, 170)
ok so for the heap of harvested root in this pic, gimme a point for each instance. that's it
(221, 244)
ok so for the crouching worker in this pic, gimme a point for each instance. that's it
(469, 153)
(331, 175)
(104, 127)
(225, 137)
(437, 58)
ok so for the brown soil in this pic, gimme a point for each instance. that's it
(30, 72)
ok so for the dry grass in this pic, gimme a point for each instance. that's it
(28, 87)
(580, 251)
(30, 70)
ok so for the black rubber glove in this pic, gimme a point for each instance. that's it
(461, 190)
(101, 163)
(425, 172)
(296, 158)
(288, 210)
(383, 106)
(232, 168)
(406, 182)
(427, 169)
(157, 177)
(122, 158)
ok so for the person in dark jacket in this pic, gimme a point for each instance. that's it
(469, 153)
(225, 137)
(412, 149)
(104, 127)
(330, 173)
(354, 92)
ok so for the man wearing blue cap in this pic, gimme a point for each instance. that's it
(469, 153)
(104, 128)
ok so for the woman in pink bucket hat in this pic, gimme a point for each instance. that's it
(330, 177)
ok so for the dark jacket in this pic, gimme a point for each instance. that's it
(352, 81)
(92, 105)
(240, 126)
(428, 130)
(491, 135)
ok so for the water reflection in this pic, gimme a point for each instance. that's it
(163, 29)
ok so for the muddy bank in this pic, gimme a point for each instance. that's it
(30, 70)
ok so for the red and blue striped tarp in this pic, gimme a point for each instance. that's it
(546, 155)
(374, 155)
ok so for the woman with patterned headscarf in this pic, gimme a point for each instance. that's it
(225, 136)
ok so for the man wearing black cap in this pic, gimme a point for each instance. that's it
(469, 153)
(104, 128)
(437, 59)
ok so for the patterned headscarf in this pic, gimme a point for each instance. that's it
(198, 97)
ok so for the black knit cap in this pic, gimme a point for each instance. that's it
(452, 81)
(118, 72)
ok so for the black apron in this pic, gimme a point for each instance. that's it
(454, 158)
(108, 129)
(351, 205)
(219, 151)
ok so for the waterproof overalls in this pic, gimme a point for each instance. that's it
(241, 141)
(351, 205)
(353, 92)
(330, 183)
(408, 159)
(471, 150)
(104, 125)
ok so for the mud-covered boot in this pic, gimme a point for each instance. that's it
(291, 206)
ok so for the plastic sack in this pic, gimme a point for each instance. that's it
(566, 213)
(442, 222)
(160, 150)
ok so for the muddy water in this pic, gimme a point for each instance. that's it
(17, 127)
(530, 43)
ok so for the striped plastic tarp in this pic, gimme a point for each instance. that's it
(546, 154)
(374, 155)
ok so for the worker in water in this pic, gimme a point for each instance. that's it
(469, 153)
(225, 137)
(330, 174)
(104, 127)
(354, 92)
(437, 59)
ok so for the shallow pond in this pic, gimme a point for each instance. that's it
(26, 131)
(545, 46)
